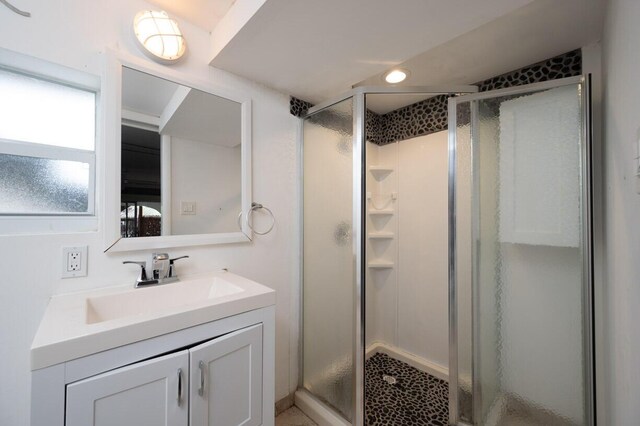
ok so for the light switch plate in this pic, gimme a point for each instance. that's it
(74, 262)
(188, 207)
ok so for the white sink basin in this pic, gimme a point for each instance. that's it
(160, 298)
(78, 324)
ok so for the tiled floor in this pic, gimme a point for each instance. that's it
(399, 394)
(294, 417)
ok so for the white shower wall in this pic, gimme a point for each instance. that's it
(407, 306)
(381, 284)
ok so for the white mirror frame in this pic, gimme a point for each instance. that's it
(113, 242)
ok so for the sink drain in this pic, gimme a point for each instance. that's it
(389, 379)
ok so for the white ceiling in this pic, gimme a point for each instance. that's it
(203, 13)
(537, 31)
(316, 49)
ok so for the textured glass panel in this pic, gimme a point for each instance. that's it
(463, 258)
(328, 257)
(30, 185)
(528, 346)
(38, 111)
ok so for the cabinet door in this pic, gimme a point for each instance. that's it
(226, 380)
(148, 393)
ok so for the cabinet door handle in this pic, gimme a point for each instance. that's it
(179, 386)
(202, 372)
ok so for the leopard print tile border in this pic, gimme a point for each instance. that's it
(566, 65)
(431, 115)
(374, 127)
(421, 118)
(399, 394)
(298, 107)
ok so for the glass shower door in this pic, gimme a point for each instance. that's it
(328, 257)
(524, 260)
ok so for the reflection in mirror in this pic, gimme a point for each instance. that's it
(140, 197)
(180, 159)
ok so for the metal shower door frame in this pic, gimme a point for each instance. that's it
(359, 218)
(584, 82)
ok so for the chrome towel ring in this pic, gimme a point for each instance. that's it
(249, 214)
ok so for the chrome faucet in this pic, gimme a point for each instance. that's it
(160, 266)
(162, 270)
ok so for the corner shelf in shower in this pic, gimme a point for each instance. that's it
(380, 264)
(380, 212)
(381, 235)
(380, 171)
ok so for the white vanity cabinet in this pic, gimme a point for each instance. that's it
(225, 377)
(215, 383)
(148, 393)
(215, 373)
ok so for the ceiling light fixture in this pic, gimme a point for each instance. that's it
(396, 76)
(159, 36)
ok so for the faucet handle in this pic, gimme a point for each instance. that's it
(172, 268)
(143, 270)
(177, 258)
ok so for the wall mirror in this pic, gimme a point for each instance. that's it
(183, 162)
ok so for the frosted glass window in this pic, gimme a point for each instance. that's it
(30, 185)
(42, 112)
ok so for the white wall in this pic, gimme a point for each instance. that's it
(407, 306)
(75, 33)
(423, 322)
(621, 64)
(209, 175)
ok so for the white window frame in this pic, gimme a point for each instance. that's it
(55, 222)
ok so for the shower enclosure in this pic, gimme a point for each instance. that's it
(518, 255)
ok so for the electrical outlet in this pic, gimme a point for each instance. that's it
(74, 262)
(74, 259)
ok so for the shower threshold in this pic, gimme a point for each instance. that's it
(318, 411)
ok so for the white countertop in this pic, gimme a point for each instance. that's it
(72, 328)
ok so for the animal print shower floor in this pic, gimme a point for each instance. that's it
(397, 394)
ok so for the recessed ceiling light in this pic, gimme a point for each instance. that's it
(396, 76)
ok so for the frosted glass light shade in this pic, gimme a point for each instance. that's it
(159, 36)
